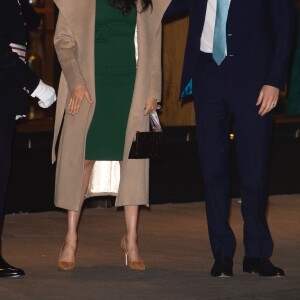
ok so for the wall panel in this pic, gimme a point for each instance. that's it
(174, 113)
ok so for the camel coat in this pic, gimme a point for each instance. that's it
(74, 44)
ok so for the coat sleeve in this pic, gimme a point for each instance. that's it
(154, 89)
(66, 48)
(10, 64)
(282, 13)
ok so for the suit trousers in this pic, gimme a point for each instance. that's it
(7, 125)
(225, 94)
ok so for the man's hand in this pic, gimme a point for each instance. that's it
(150, 106)
(79, 93)
(267, 99)
(45, 93)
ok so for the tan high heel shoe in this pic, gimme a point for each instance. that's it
(65, 265)
(134, 265)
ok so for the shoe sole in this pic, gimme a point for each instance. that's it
(224, 276)
(221, 276)
(11, 276)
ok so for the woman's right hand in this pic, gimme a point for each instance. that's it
(79, 93)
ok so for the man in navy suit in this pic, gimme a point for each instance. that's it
(16, 79)
(236, 62)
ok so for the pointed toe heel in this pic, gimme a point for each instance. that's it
(134, 265)
(65, 265)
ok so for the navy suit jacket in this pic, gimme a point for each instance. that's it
(15, 75)
(259, 32)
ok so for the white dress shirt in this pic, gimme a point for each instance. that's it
(207, 38)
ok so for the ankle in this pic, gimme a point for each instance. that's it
(71, 239)
(131, 238)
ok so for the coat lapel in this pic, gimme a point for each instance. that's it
(152, 18)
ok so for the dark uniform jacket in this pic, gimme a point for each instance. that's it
(15, 75)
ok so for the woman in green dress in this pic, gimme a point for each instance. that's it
(102, 95)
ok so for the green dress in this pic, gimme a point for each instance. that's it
(115, 70)
(293, 104)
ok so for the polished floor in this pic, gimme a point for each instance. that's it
(173, 243)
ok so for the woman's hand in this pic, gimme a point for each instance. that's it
(150, 106)
(79, 93)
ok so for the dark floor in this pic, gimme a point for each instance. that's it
(173, 243)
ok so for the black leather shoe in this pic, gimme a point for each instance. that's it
(6, 270)
(222, 267)
(262, 266)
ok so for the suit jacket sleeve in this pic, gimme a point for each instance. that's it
(66, 48)
(154, 89)
(10, 64)
(282, 13)
(176, 9)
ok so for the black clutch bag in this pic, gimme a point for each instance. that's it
(148, 144)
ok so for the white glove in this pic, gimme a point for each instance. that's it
(45, 93)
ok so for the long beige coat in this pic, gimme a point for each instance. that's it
(74, 44)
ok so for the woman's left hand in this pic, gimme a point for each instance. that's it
(150, 106)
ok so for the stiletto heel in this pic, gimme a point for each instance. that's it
(65, 265)
(126, 259)
(135, 265)
(123, 247)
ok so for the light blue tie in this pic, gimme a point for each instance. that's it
(220, 45)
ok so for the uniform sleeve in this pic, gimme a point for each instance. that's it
(282, 14)
(66, 49)
(10, 64)
(33, 20)
(154, 89)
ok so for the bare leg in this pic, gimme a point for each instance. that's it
(131, 220)
(68, 251)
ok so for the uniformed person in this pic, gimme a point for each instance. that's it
(15, 79)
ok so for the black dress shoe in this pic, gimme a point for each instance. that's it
(222, 267)
(6, 270)
(262, 266)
